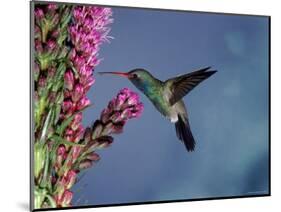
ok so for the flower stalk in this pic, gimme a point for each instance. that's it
(67, 41)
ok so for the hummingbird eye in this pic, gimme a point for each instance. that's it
(135, 76)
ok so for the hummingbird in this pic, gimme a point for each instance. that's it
(167, 96)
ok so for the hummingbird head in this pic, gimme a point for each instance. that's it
(141, 78)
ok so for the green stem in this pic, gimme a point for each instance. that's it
(39, 197)
(51, 201)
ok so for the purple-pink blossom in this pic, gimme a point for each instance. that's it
(125, 106)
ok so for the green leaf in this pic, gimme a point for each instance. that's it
(74, 70)
(67, 121)
(64, 124)
(45, 179)
(57, 113)
(51, 201)
(46, 126)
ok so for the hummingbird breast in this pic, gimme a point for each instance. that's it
(161, 101)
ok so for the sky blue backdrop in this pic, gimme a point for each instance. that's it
(228, 112)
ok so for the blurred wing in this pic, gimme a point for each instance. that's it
(182, 85)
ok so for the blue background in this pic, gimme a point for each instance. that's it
(228, 112)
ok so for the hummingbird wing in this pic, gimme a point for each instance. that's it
(182, 85)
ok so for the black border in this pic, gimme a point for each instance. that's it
(33, 2)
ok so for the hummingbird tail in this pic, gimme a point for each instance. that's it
(184, 133)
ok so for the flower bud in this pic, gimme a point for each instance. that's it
(38, 46)
(116, 117)
(76, 152)
(69, 80)
(61, 155)
(85, 164)
(126, 114)
(93, 156)
(77, 93)
(70, 179)
(78, 133)
(76, 121)
(51, 73)
(39, 14)
(118, 128)
(67, 105)
(51, 45)
(42, 83)
(52, 7)
(83, 102)
(101, 142)
(133, 99)
(105, 115)
(66, 198)
(121, 99)
(137, 110)
(87, 135)
(97, 129)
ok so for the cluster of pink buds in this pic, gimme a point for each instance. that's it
(87, 31)
(126, 105)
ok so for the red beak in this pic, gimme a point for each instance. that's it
(122, 74)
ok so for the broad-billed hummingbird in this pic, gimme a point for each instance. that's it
(167, 96)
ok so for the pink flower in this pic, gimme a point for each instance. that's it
(86, 33)
(66, 198)
(137, 110)
(83, 102)
(78, 133)
(77, 93)
(51, 45)
(76, 121)
(70, 179)
(134, 98)
(67, 105)
(61, 150)
(39, 14)
(52, 7)
(118, 111)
